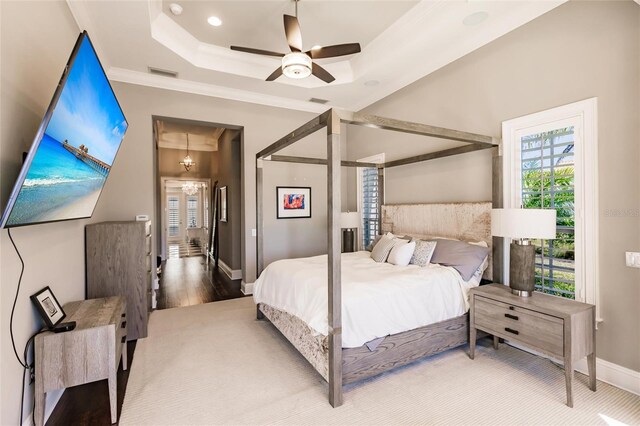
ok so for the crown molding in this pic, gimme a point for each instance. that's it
(186, 86)
(84, 22)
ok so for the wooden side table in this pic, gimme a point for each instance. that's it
(558, 327)
(86, 354)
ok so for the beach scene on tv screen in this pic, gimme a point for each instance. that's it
(75, 155)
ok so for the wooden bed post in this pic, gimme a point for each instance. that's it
(334, 265)
(497, 202)
(380, 196)
(259, 218)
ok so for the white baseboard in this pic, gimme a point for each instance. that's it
(50, 403)
(614, 374)
(234, 274)
(246, 288)
(608, 372)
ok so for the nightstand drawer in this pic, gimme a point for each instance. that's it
(535, 329)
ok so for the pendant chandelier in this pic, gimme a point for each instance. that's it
(187, 161)
(190, 188)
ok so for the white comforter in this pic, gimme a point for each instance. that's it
(378, 299)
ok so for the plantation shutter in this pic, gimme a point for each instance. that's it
(547, 181)
(370, 204)
(173, 215)
(192, 211)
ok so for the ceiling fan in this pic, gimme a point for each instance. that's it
(299, 64)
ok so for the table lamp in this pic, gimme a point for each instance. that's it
(348, 222)
(522, 226)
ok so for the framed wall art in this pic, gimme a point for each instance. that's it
(293, 202)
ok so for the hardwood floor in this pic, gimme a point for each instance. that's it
(184, 282)
(89, 404)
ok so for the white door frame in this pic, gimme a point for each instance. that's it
(163, 207)
(583, 115)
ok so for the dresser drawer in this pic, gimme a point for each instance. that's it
(535, 329)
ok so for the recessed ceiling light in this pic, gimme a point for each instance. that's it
(316, 47)
(215, 21)
(475, 18)
(370, 83)
(175, 8)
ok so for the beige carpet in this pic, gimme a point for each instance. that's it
(215, 364)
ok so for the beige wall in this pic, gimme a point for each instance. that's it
(36, 40)
(229, 175)
(577, 51)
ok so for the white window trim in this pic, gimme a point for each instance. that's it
(583, 115)
(378, 159)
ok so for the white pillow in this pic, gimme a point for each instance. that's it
(381, 250)
(477, 276)
(401, 253)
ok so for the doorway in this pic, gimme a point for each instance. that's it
(185, 217)
(194, 160)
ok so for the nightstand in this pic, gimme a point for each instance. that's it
(560, 328)
(90, 352)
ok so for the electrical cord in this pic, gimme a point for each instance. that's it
(28, 370)
(15, 300)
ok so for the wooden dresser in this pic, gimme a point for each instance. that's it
(560, 328)
(118, 256)
(86, 354)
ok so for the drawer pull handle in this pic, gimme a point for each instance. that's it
(510, 330)
(513, 317)
(124, 339)
(124, 324)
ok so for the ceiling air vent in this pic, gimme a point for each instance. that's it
(319, 101)
(164, 73)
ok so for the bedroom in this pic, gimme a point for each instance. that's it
(597, 43)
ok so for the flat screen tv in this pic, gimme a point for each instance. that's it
(74, 148)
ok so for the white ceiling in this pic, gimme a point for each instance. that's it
(173, 135)
(402, 41)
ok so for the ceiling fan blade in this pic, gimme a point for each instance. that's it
(257, 51)
(277, 73)
(292, 31)
(321, 73)
(335, 50)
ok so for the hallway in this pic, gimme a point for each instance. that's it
(185, 282)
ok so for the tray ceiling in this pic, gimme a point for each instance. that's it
(402, 41)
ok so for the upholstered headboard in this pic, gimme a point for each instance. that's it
(462, 221)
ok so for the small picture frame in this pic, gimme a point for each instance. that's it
(48, 307)
(293, 202)
(223, 204)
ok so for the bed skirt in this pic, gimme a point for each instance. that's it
(360, 363)
(314, 347)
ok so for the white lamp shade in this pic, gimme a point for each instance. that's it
(349, 220)
(524, 223)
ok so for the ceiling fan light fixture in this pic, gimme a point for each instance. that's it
(296, 65)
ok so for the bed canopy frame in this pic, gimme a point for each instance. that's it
(331, 119)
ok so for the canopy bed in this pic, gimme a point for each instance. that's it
(318, 336)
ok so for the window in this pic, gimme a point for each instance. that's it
(368, 202)
(192, 211)
(550, 161)
(173, 215)
(547, 180)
